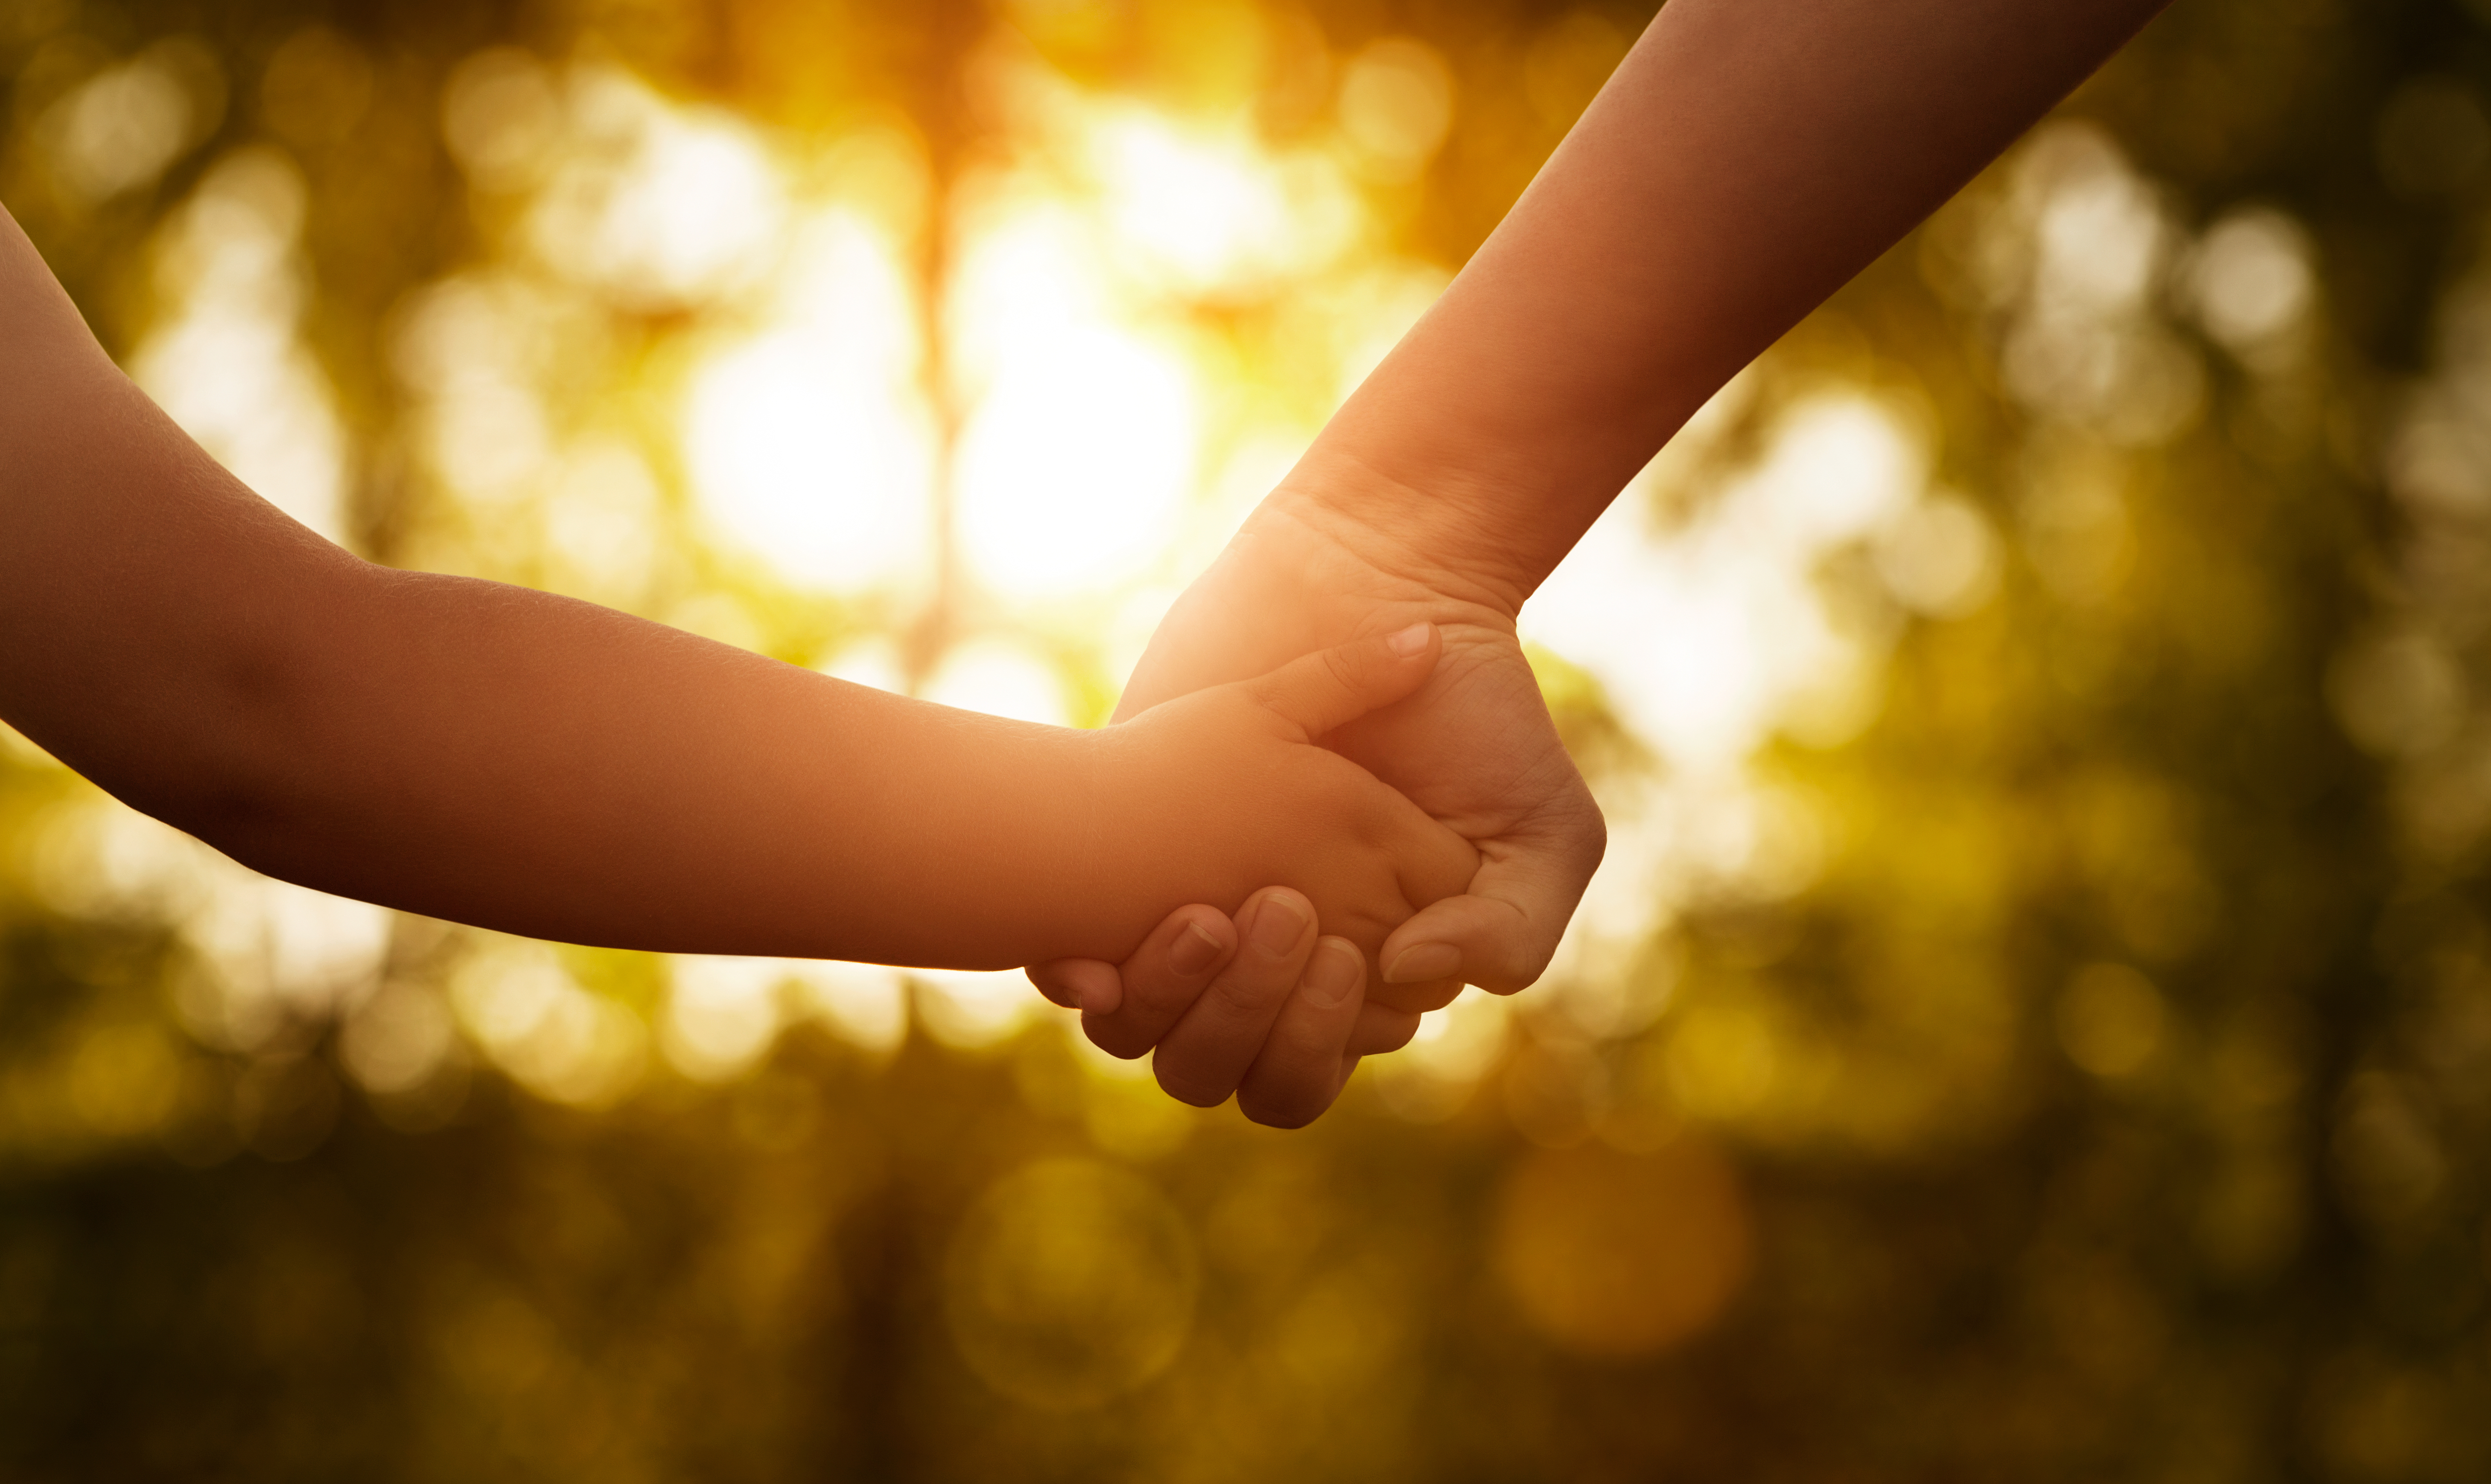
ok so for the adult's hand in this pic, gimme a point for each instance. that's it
(1260, 1008)
(1746, 158)
(1474, 747)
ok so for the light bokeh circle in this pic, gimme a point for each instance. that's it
(1617, 1255)
(1070, 1283)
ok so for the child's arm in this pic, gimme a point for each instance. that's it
(509, 758)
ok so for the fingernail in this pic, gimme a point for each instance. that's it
(1279, 925)
(1410, 640)
(1423, 961)
(1332, 976)
(1194, 952)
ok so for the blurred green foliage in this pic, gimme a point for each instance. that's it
(2109, 1105)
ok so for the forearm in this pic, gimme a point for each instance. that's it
(1746, 158)
(485, 753)
(508, 758)
(524, 762)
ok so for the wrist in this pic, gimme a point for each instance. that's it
(1434, 542)
(1070, 864)
(997, 850)
(1085, 871)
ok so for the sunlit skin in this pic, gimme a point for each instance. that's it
(1744, 160)
(1577, 340)
(520, 761)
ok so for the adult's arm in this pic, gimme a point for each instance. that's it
(1746, 158)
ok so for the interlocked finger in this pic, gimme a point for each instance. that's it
(1154, 988)
(1306, 1058)
(1206, 1054)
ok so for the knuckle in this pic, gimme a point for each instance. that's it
(1189, 1086)
(1517, 973)
(1267, 692)
(1344, 667)
(1416, 999)
(1285, 1114)
(1125, 1043)
(1241, 995)
(1388, 1030)
(1532, 958)
(1595, 840)
(1279, 1096)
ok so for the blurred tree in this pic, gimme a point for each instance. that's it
(2069, 1066)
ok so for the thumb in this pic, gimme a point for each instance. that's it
(1501, 934)
(1330, 688)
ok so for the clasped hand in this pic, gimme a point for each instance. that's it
(1258, 1005)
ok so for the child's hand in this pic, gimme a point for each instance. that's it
(1218, 792)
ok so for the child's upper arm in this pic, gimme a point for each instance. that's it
(144, 592)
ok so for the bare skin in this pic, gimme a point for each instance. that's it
(1746, 160)
(498, 756)
(221, 668)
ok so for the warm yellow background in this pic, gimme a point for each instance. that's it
(2032, 1020)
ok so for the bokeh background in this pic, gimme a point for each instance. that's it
(2035, 1020)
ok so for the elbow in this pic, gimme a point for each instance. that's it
(216, 793)
(238, 753)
